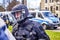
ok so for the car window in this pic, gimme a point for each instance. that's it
(48, 14)
(10, 18)
(39, 15)
(13, 18)
(5, 17)
(33, 13)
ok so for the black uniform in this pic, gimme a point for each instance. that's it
(27, 29)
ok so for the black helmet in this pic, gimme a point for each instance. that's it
(21, 8)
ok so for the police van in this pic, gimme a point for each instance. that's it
(49, 20)
(8, 17)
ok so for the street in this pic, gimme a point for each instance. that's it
(57, 30)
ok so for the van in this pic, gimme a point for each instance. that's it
(8, 16)
(46, 16)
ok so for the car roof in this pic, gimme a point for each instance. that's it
(5, 13)
(39, 11)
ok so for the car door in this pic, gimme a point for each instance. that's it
(33, 14)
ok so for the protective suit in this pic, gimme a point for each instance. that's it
(27, 29)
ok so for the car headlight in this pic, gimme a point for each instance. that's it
(50, 21)
(58, 20)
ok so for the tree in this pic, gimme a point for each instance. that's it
(1, 9)
(12, 4)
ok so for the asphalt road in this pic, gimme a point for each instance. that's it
(57, 30)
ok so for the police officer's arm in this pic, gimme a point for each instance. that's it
(44, 33)
(40, 32)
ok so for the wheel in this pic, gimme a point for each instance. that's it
(44, 26)
(55, 28)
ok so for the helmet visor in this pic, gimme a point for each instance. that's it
(17, 14)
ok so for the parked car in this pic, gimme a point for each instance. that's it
(8, 16)
(41, 22)
(46, 16)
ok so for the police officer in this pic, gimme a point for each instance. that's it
(26, 28)
(4, 32)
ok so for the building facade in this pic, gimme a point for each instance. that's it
(51, 5)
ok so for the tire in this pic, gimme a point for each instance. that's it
(55, 28)
(44, 26)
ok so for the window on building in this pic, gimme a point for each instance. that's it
(45, 1)
(51, 8)
(57, 0)
(46, 8)
(51, 1)
(56, 7)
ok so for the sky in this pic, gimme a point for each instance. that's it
(1, 1)
(30, 3)
(33, 3)
(5, 3)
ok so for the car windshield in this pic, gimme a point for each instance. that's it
(48, 14)
(33, 14)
